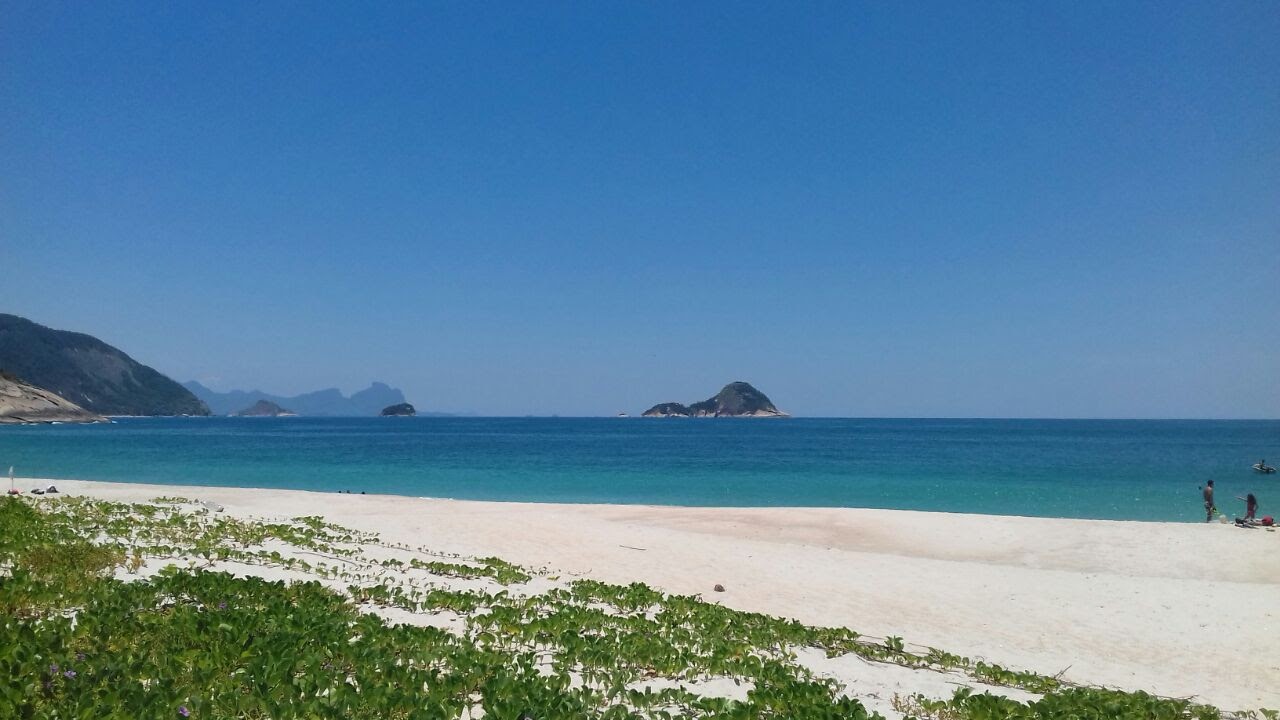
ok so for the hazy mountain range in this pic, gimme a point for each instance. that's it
(330, 402)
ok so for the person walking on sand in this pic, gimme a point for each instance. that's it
(1208, 501)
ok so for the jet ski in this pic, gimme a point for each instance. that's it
(1264, 469)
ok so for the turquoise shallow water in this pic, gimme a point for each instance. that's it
(1147, 470)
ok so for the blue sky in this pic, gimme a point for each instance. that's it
(881, 209)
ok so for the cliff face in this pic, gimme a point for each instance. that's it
(24, 403)
(737, 399)
(88, 372)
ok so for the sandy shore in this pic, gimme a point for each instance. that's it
(1177, 609)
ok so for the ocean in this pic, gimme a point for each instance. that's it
(1108, 469)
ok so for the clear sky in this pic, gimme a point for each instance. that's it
(884, 209)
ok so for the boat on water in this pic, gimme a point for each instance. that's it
(1263, 467)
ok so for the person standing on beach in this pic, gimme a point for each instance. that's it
(1208, 501)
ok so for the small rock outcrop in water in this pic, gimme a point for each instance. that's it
(399, 410)
(265, 408)
(23, 403)
(737, 399)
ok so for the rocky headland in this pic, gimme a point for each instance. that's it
(23, 403)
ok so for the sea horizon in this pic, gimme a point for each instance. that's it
(1110, 469)
(445, 415)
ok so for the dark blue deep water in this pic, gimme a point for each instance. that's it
(1138, 469)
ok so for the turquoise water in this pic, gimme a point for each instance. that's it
(1148, 470)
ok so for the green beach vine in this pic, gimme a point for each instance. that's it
(114, 610)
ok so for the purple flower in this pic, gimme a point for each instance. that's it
(80, 656)
(70, 674)
(222, 606)
(183, 711)
(53, 668)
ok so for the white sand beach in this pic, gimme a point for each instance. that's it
(1185, 610)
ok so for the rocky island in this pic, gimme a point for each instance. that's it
(399, 410)
(265, 408)
(737, 399)
(22, 403)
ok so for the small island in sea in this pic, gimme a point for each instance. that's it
(399, 410)
(737, 399)
(265, 408)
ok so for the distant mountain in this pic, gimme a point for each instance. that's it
(22, 403)
(265, 408)
(399, 410)
(332, 402)
(737, 399)
(88, 372)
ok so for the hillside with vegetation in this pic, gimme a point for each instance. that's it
(89, 372)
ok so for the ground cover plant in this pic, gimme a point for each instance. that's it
(110, 610)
